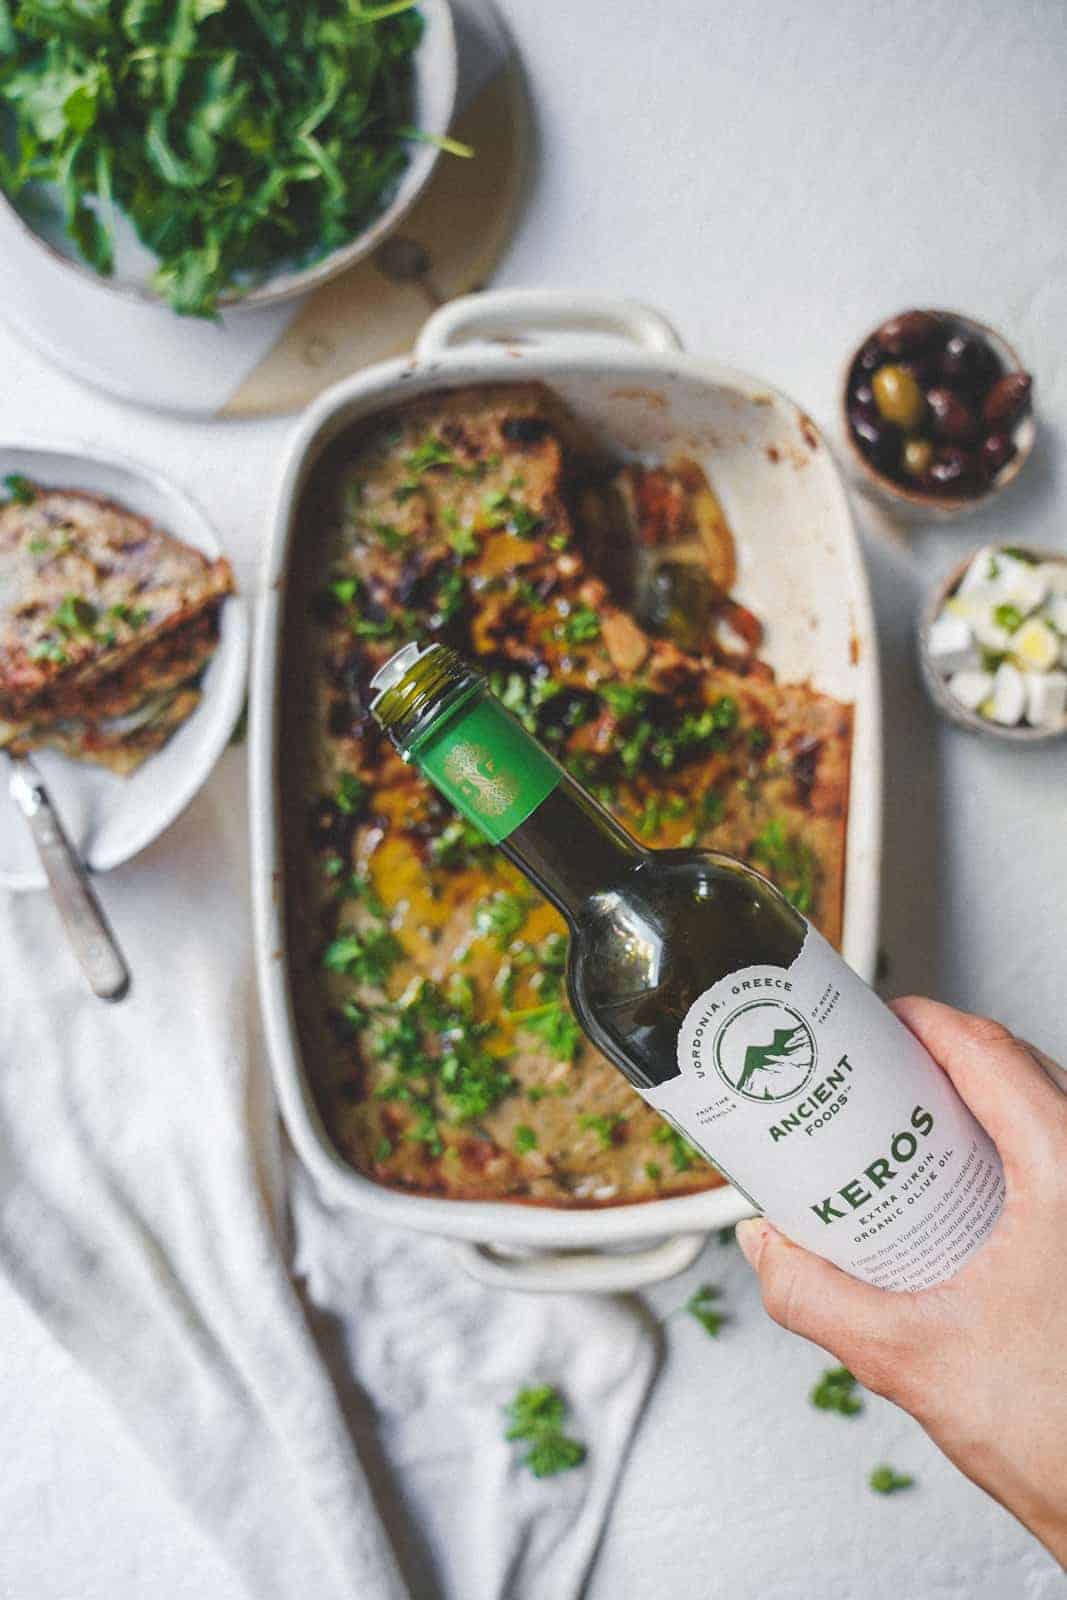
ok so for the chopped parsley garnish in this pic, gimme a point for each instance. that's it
(789, 861)
(836, 1391)
(75, 615)
(626, 699)
(1008, 617)
(345, 590)
(684, 1156)
(606, 1128)
(387, 533)
(712, 807)
(457, 843)
(383, 1149)
(582, 626)
(653, 1171)
(525, 1139)
(885, 1480)
(350, 793)
(501, 916)
(555, 1025)
(20, 489)
(369, 955)
(701, 1306)
(659, 809)
(48, 650)
(500, 510)
(432, 452)
(463, 541)
(537, 1415)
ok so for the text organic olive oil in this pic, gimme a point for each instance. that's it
(723, 1006)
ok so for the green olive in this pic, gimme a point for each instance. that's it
(898, 396)
(918, 454)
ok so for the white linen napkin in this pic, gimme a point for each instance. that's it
(143, 1219)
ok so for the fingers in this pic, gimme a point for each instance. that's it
(1012, 1095)
(868, 1329)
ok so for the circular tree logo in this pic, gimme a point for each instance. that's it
(765, 1051)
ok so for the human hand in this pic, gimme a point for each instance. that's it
(978, 1361)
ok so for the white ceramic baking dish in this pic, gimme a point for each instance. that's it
(620, 369)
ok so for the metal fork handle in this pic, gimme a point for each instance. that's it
(80, 912)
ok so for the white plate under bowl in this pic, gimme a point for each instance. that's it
(39, 213)
(108, 818)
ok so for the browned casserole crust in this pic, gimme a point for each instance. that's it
(106, 624)
(428, 977)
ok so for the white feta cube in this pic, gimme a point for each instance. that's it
(1035, 647)
(1025, 586)
(951, 644)
(1056, 613)
(970, 688)
(1046, 698)
(982, 572)
(1055, 574)
(1008, 700)
(989, 632)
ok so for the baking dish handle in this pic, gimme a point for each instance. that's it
(580, 1272)
(522, 315)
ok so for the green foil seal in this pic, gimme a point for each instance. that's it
(487, 765)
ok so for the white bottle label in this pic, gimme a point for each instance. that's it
(830, 1115)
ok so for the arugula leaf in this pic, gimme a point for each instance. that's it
(537, 1415)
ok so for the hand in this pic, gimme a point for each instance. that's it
(978, 1361)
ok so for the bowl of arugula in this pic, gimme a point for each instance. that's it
(211, 155)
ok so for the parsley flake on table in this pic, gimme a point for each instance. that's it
(836, 1391)
(701, 1307)
(537, 1415)
(885, 1480)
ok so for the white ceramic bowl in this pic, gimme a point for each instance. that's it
(910, 505)
(110, 818)
(618, 367)
(435, 97)
(937, 688)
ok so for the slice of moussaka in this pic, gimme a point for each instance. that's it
(106, 626)
(428, 976)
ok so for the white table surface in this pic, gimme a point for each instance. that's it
(776, 178)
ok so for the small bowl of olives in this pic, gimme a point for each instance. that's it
(937, 413)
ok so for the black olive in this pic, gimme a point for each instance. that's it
(952, 417)
(968, 362)
(1008, 400)
(908, 333)
(997, 451)
(331, 828)
(871, 356)
(952, 471)
(880, 441)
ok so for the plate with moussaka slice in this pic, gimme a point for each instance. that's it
(122, 649)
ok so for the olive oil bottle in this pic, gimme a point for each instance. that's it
(722, 1005)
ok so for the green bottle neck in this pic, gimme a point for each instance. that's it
(571, 848)
(503, 780)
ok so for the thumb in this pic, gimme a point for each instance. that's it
(869, 1330)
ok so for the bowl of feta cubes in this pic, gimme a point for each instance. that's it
(993, 644)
